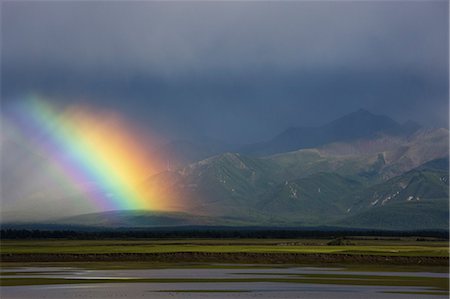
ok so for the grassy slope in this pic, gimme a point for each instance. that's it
(417, 199)
(414, 185)
(415, 215)
(308, 200)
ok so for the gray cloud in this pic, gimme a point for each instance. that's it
(173, 37)
(240, 71)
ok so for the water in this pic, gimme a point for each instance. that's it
(173, 285)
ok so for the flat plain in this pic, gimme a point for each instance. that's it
(402, 250)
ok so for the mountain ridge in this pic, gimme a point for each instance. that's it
(355, 125)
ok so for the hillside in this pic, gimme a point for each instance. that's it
(179, 153)
(375, 159)
(228, 184)
(300, 188)
(418, 199)
(309, 200)
(142, 218)
(413, 215)
(421, 183)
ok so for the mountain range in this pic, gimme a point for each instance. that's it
(356, 125)
(360, 171)
(305, 187)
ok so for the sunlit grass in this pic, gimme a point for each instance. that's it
(386, 248)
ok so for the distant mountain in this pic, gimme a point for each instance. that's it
(179, 153)
(375, 160)
(233, 190)
(418, 199)
(356, 125)
(227, 184)
(361, 170)
(305, 187)
(428, 181)
(398, 153)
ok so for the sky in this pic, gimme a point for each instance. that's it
(239, 72)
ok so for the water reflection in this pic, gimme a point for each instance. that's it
(242, 282)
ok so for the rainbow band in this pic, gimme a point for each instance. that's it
(92, 148)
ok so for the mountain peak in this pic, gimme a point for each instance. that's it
(363, 111)
(360, 124)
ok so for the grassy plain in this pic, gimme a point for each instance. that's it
(385, 247)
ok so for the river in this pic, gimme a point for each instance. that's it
(245, 281)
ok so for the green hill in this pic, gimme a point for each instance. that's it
(418, 199)
(309, 200)
(412, 215)
(417, 185)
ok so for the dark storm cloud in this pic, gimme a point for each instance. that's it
(236, 71)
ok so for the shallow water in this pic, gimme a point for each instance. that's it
(217, 289)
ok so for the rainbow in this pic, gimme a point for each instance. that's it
(92, 148)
